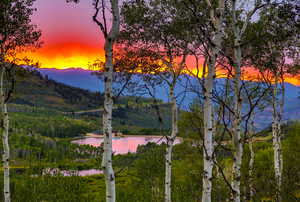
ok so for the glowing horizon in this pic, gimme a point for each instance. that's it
(66, 55)
(71, 39)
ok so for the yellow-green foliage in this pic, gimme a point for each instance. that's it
(52, 125)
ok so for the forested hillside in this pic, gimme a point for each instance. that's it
(36, 90)
(40, 103)
(186, 95)
(149, 100)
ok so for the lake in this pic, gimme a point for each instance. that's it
(124, 145)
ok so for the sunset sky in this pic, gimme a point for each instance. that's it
(71, 39)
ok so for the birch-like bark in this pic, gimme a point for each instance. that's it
(282, 102)
(108, 105)
(237, 100)
(251, 162)
(174, 113)
(170, 143)
(5, 127)
(208, 146)
(236, 137)
(276, 132)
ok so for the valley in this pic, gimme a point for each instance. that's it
(44, 136)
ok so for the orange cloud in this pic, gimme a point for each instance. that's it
(66, 55)
(249, 73)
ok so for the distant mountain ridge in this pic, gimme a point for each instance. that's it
(76, 77)
(35, 92)
(84, 79)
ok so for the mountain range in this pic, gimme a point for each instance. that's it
(84, 79)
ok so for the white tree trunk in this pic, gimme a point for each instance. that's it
(276, 132)
(107, 128)
(5, 127)
(108, 105)
(251, 162)
(170, 143)
(208, 119)
(282, 103)
(208, 146)
(236, 137)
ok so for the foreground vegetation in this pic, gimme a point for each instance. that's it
(34, 150)
(157, 42)
(41, 135)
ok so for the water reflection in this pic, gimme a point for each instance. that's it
(123, 145)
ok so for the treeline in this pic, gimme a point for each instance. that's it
(146, 172)
(36, 90)
(162, 40)
(53, 125)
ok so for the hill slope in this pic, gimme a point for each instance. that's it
(83, 78)
(132, 114)
(37, 90)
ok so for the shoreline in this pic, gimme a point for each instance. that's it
(93, 135)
